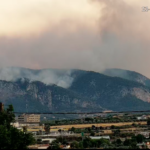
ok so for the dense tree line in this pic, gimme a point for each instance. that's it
(88, 143)
(10, 137)
(108, 119)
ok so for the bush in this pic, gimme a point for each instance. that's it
(92, 134)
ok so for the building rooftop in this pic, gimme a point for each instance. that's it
(99, 137)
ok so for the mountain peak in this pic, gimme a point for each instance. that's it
(127, 74)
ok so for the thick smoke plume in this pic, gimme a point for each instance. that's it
(60, 78)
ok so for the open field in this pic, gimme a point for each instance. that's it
(66, 127)
(36, 130)
(97, 125)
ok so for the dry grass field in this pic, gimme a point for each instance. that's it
(97, 125)
(66, 127)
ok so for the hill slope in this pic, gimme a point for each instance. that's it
(112, 92)
(129, 75)
(42, 98)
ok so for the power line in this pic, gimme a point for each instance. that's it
(74, 113)
(78, 113)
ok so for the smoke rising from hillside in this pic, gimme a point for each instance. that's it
(60, 78)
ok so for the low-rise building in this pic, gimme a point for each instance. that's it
(145, 134)
(141, 145)
(39, 146)
(26, 118)
(15, 124)
(99, 137)
(45, 140)
(142, 117)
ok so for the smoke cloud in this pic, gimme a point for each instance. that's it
(60, 78)
(116, 35)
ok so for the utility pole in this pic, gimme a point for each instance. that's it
(26, 107)
(1, 107)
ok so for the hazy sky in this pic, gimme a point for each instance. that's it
(81, 34)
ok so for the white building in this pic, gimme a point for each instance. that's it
(47, 140)
(16, 124)
(99, 137)
(142, 117)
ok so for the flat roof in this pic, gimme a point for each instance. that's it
(99, 137)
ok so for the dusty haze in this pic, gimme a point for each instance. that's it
(75, 34)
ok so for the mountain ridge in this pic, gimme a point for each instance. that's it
(88, 92)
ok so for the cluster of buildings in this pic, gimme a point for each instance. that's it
(33, 121)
